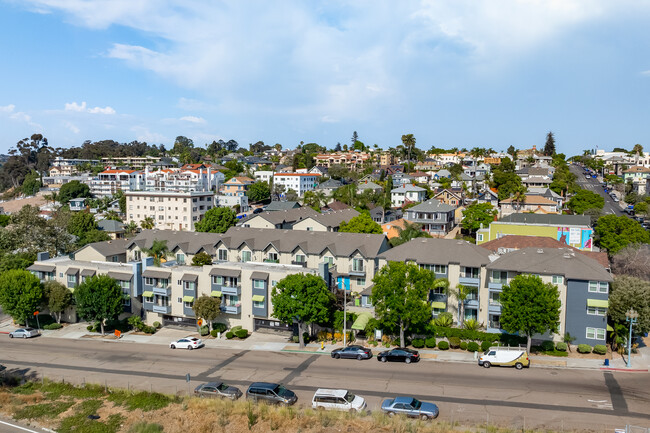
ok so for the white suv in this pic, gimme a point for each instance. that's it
(337, 399)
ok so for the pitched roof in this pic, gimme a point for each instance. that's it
(337, 205)
(392, 229)
(329, 184)
(550, 219)
(110, 226)
(334, 218)
(108, 248)
(282, 205)
(431, 205)
(368, 185)
(408, 188)
(435, 251)
(637, 169)
(284, 216)
(517, 242)
(556, 261)
(532, 199)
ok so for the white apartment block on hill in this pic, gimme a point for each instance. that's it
(180, 179)
(108, 182)
(169, 209)
(299, 182)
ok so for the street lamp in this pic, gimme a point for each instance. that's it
(631, 317)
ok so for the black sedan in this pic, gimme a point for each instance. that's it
(400, 354)
(352, 352)
(217, 389)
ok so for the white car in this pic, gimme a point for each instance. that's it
(337, 399)
(187, 343)
(24, 333)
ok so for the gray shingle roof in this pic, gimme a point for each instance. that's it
(110, 226)
(431, 205)
(551, 219)
(408, 187)
(282, 205)
(368, 185)
(335, 218)
(329, 184)
(552, 261)
(285, 216)
(434, 251)
(108, 248)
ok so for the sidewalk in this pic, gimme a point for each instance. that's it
(279, 343)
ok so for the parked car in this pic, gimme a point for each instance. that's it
(271, 392)
(258, 210)
(218, 389)
(411, 407)
(337, 399)
(187, 343)
(24, 333)
(352, 352)
(505, 356)
(615, 199)
(400, 354)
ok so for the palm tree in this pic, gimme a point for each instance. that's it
(409, 143)
(410, 231)
(320, 198)
(131, 227)
(158, 251)
(519, 196)
(461, 293)
(147, 223)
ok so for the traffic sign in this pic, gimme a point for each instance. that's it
(200, 322)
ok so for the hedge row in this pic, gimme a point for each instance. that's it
(479, 336)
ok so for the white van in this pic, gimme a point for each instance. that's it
(337, 399)
(505, 356)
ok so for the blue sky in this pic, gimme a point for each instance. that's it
(455, 73)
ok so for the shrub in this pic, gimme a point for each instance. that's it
(418, 343)
(454, 342)
(561, 346)
(485, 345)
(306, 338)
(135, 322)
(148, 329)
(584, 348)
(230, 335)
(338, 336)
(443, 345)
(90, 328)
(463, 345)
(321, 336)
(241, 333)
(235, 328)
(295, 339)
(430, 342)
(548, 346)
(156, 325)
(219, 327)
(472, 346)
(53, 326)
(444, 320)
(472, 325)
(204, 330)
(600, 349)
(214, 333)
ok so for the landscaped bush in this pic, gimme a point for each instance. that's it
(561, 346)
(430, 342)
(454, 342)
(418, 343)
(148, 329)
(473, 335)
(156, 325)
(463, 345)
(600, 349)
(548, 346)
(443, 345)
(235, 328)
(305, 336)
(219, 327)
(241, 333)
(135, 322)
(53, 326)
(584, 348)
(214, 333)
(485, 345)
(230, 335)
(204, 330)
(472, 346)
(472, 325)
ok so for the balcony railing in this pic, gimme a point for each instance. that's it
(164, 309)
(162, 291)
(468, 280)
(494, 324)
(357, 270)
(303, 264)
(231, 309)
(230, 290)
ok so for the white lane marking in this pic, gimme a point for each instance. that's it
(597, 401)
(18, 427)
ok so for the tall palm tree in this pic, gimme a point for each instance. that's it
(131, 227)
(320, 198)
(147, 223)
(409, 144)
(159, 251)
(519, 197)
(461, 293)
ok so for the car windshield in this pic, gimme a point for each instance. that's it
(416, 403)
(29, 329)
(222, 387)
(349, 397)
(281, 390)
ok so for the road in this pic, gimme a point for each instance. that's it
(611, 207)
(537, 397)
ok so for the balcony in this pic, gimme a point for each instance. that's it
(469, 280)
(438, 297)
(162, 291)
(231, 309)
(163, 309)
(230, 290)
(303, 264)
(496, 284)
(357, 270)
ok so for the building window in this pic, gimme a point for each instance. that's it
(598, 287)
(500, 277)
(357, 265)
(361, 281)
(246, 256)
(180, 259)
(188, 304)
(466, 272)
(480, 237)
(596, 333)
(218, 280)
(258, 304)
(495, 299)
(494, 321)
(300, 258)
(232, 300)
(188, 285)
(72, 279)
(272, 257)
(438, 311)
(596, 311)
(558, 279)
(273, 283)
(148, 281)
(223, 255)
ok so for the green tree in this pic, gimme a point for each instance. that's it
(630, 293)
(31, 184)
(585, 199)
(207, 308)
(16, 261)
(81, 223)
(131, 227)
(400, 296)
(616, 232)
(361, 223)
(409, 143)
(530, 306)
(99, 298)
(147, 223)
(217, 220)
(93, 236)
(59, 298)
(512, 151)
(549, 147)
(477, 215)
(258, 191)
(410, 231)
(21, 294)
(461, 293)
(159, 251)
(73, 189)
(201, 259)
(303, 299)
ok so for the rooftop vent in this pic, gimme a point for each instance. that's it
(540, 251)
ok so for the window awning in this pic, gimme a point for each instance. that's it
(362, 321)
(147, 294)
(215, 293)
(88, 273)
(188, 298)
(156, 273)
(72, 271)
(260, 276)
(120, 276)
(439, 305)
(600, 303)
(42, 268)
(235, 273)
(258, 298)
(609, 328)
(190, 277)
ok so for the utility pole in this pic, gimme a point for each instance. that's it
(345, 317)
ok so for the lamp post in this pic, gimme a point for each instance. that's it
(631, 317)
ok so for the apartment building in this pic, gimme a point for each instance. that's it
(134, 162)
(436, 218)
(236, 186)
(387, 158)
(299, 182)
(283, 219)
(67, 166)
(327, 221)
(351, 160)
(108, 182)
(264, 176)
(407, 193)
(183, 179)
(169, 209)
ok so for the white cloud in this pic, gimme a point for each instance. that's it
(193, 119)
(72, 127)
(20, 116)
(99, 110)
(189, 104)
(73, 106)
(81, 108)
(7, 108)
(645, 72)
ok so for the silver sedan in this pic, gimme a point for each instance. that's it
(24, 333)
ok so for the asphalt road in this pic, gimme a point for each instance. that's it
(535, 397)
(611, 207)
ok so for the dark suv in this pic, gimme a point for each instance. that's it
(271, 392)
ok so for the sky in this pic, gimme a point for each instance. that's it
(455, 73)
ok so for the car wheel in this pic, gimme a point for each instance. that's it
(519, 366)
(383, 359)
(391, 414)
(486, 364)
(24, 335)
(337, 356)
(11, 335)
(407, 360)
(189, 348)
(321, 409)
(173, 346)
(359, 357)
(424, 417)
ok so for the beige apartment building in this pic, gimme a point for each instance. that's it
(169, 210)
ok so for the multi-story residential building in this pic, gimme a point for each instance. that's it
(387, 158)
(183, 179)
(299, 182)
(264, 176)
(573, 230)
(368, 185)
(635, 173)
(108, 182)
(407, 193)
(531, 204)
(435, 217)
(134, 162)
(236, 186)
(67, 166)
(327, 221)
(285, 219)
(169, 209)
(351, 160)
(452, 197)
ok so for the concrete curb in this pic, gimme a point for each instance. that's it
(625, 370)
